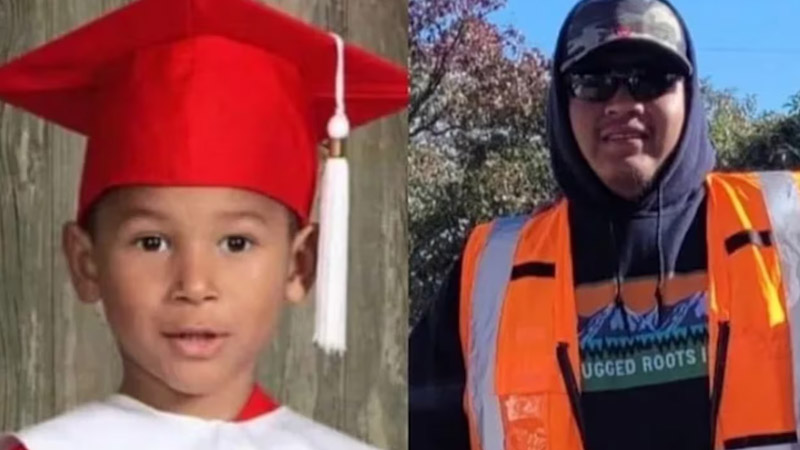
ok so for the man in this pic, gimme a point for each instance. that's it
(649, 307)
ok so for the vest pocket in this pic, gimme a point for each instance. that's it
(757, 306)
(534, 404)
(526, 359)
(528, 386)
(756, 397)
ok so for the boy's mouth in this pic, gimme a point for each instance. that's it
(196, 343)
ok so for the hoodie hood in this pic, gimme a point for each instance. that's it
(681, 177)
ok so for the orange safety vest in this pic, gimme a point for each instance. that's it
(520, 338)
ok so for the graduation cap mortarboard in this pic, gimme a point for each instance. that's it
(208, 93)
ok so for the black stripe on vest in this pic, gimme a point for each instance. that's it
(744, 237)
(534, 269)
(761, 440)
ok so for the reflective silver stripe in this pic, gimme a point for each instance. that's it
(492, 276)
(782, 198)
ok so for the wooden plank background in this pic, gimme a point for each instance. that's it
(56, 353)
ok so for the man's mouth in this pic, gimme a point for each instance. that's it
(621, 133)
(615, 137)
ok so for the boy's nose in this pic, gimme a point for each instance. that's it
(194, 278)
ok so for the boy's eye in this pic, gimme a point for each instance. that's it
(235, 244)
(152, 243)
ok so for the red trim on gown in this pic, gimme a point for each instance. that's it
(257, 404)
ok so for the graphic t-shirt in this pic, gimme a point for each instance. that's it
(644, 383)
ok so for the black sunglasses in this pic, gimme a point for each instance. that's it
(643, 85)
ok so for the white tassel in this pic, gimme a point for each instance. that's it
(330, 327)
(330, 331)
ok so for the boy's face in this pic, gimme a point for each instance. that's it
(192, 279)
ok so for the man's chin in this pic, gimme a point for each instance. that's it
(630, 183)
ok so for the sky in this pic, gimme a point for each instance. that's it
(748, 45)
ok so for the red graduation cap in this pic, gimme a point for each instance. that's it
(200, 92)
(214, 93)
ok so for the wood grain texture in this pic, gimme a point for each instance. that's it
(56, 353)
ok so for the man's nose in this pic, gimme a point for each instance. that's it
(623, 103)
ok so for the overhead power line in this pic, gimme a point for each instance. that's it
(771, 51)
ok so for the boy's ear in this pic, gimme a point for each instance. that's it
(78, 249)
(302, 263)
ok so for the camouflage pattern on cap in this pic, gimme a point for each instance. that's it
(599, 22)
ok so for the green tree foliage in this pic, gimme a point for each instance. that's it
(476, 128)
(746, 140)
(731, 121)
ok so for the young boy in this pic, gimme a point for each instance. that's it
(202, 118)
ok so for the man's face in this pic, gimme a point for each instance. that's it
(624, 140)
(192, 280)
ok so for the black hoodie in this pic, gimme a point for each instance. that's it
(644, 378)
